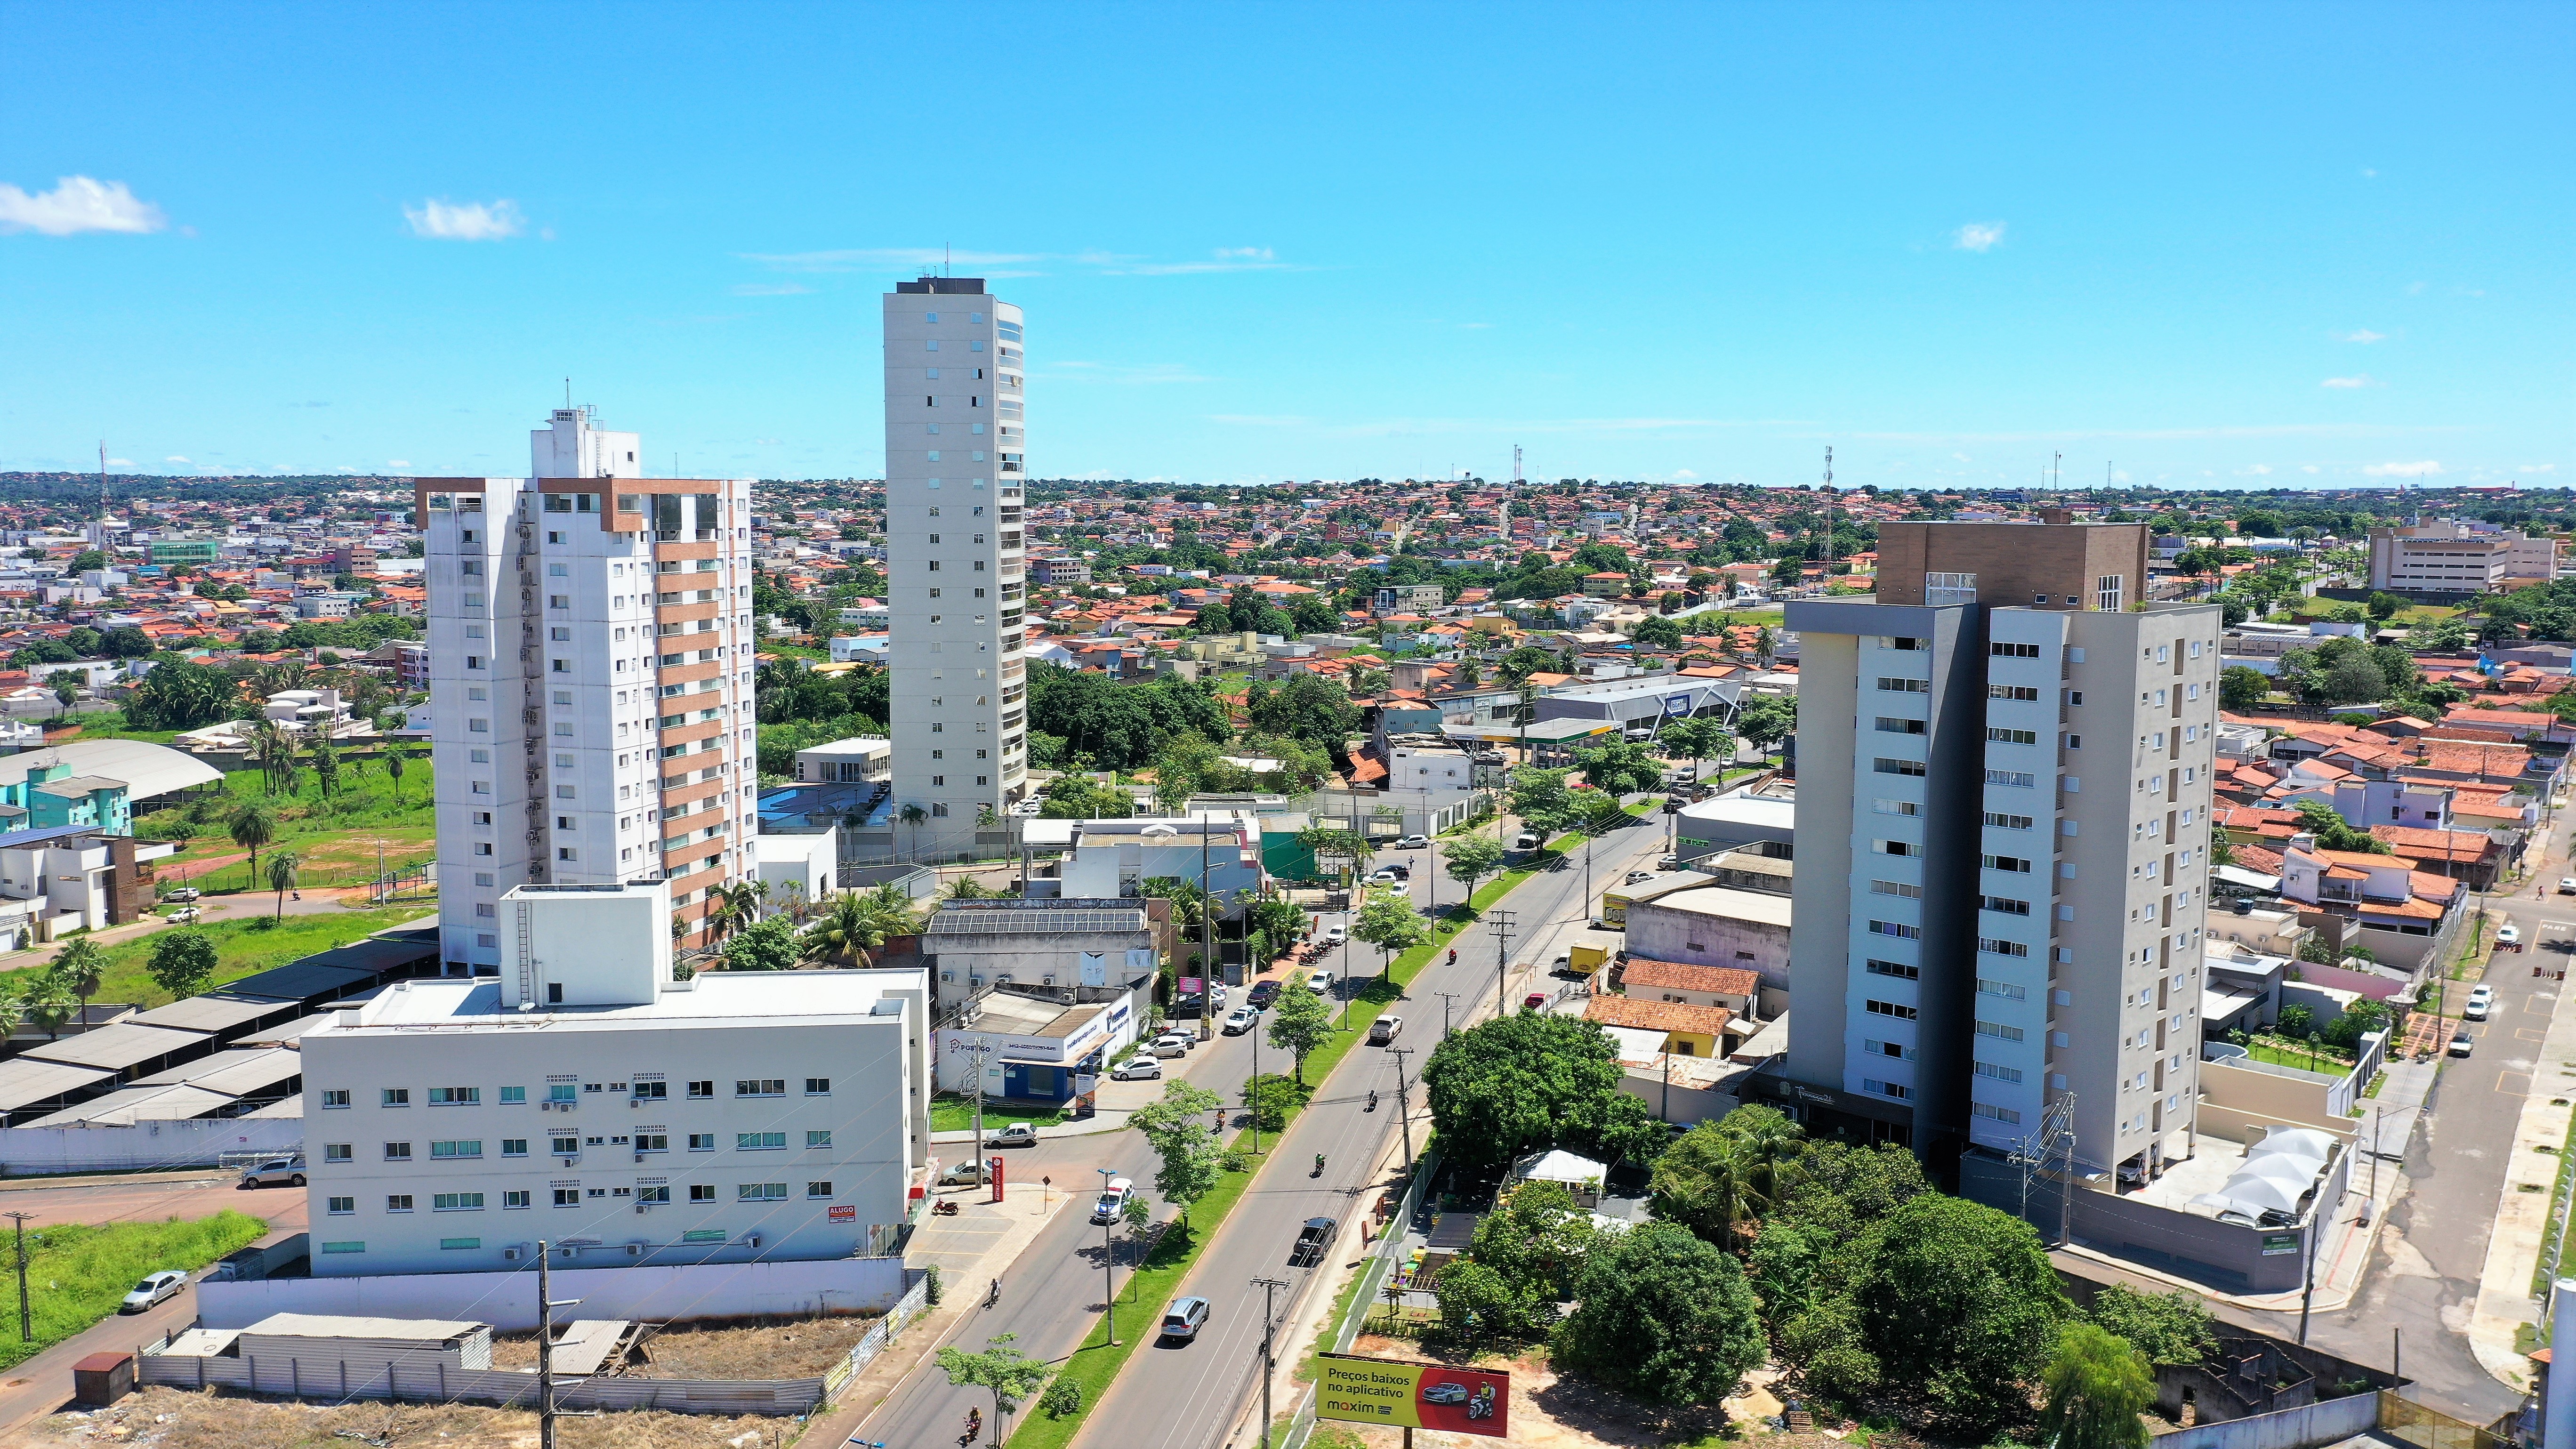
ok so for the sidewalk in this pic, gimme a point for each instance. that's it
(970, 1249)
(2522, 1218)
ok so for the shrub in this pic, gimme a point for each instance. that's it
(1062, 1398)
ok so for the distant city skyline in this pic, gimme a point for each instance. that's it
(2196, 247)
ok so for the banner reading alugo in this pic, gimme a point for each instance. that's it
(1415, 1395)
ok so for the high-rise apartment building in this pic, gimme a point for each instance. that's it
(591, 644)
(2003, 842)
(955, 562)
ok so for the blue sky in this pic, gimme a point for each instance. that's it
(2237, 245)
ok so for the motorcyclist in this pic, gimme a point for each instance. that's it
(1319, 1164)
(1372, 1102)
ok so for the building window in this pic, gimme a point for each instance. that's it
(702, 1142)
(567, 1197)
(818, 1086)
(1896, 888)
(2013, 737)
(652, 1194)
(1999, 820)
(514, 1147)
(1889, 724)
(702, 1192)
(1897, 767)
(468, 1147)
(1994, 946)
(821, 1137)
(456, 1202)
(344, 1247)
(1897, 969)
(2003, 905)
(1999, 1073)
(455, 1096)
(2012, 691)
(2108, 591)
(397, 1152)
(1897, 1090)
(1998, 1114)
(340, 1207)
(760, 1192)
(760, 1087)
(2007, 862)
(514, 1096)
(2013, 651)
(395, 1097)
(1999, 1031)
(335, 1097)
(818, 1189)
(337, 1152)
(397, 1202)
(759, 1141)
(1988, 986)
(1894, 1009)
(702, 1090)
(1896, 928)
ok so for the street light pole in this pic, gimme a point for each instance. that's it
(1269, 1365)
(1109, 1260)
(1403, 1107)
(1500, 923)
(26, 1320)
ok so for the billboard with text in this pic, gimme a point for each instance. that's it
(1414, 1395)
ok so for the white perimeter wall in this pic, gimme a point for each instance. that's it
(145, 1144)
(508, 1300)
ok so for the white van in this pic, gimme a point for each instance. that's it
(1113, 1201)
(1529, 840)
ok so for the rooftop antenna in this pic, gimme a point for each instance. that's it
(2056, 462)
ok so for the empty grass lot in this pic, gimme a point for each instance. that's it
(77, 1274)
(241, 947)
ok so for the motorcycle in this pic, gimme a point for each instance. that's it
(1372, 1102)
(944, 1208)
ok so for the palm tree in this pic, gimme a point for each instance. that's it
(13, 1014)
(847, 931)
(394, 767)
(281, 877)
(252, 827)
(913, 815)
(326, 767)
(81, 964)
(893, 911)
(51, 1002)
(275, 746)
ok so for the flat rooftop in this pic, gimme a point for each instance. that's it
(713, 998)
(1765, 907)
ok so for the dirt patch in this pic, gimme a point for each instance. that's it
(1568, 1413)
(801, 1348)
(171, 1419)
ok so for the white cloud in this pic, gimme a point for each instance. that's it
(174, 458)
(2365, 335)
(2308, 468)
(2424, 469)
(1978, 236)
(1684, 473)
(771, 289)
(1961, 458)
(77, 204)
(2356, 380)
(1249, 254)
(2536, 468)
(2369, 171)
(472, 221)
(120, 462)
(870, 258)
(2259, 470)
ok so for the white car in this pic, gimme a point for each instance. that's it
(1142, 1069)
(159, 1288)
(1414, 842)
(1336, 933)
(1174, 1044)
(1113, 1201)
(1320, 982)
(2481, 1001)
(2508, 934)
(1241, 1020)
(2567, 885)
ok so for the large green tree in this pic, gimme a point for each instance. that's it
(1178, 1128)
(1621, 768)
(178, 695)
(1299, 1024)
(1388, 920)
(182, 961)
(1959, 1303)
(1530, 1080)
(2169, 1328)
(1664, 1317)
(2098, 1385)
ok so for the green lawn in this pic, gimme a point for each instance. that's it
(77, 1274)
(241, 947)
(2324, 1060)
(952, 1112)
(337, 838)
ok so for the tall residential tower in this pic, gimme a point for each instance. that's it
(2003, 845)
(955, 565)
(590, 645)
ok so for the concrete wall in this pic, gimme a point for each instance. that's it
(2225, 1256)
(2299, 1428)
(2257, 1091)
(1659, 932)
(508, 1300)
(1676, 1103)
(26, 1150)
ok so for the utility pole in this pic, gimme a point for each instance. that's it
(1403, 1106)
(1207, 937)
(1448, 1004)
(26, 1320)
(1500, 923)
(1108, 1261)
(1269, 1365)
(977, 1051)
(1251, 1085)
(546, 1306)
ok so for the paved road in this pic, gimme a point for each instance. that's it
(1052, 1295)
(1189, 1396)
(2424, 1270)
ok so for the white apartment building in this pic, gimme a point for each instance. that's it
(955, 572)
(590, 1097)
(590, 678)
(2003, 827)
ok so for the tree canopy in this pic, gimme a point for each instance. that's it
(1530, 1080)
(1663, 1317)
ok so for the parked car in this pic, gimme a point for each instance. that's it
(160, 1287)
(2567, 885)
(1262, 994)
(1022, 1134)
(276, 1172)
(1110, 1202)
(1414, 842)
(1668, 862)
(1535, 1001)
(1141, 1069)
(1320, 982)
(1635, 876)
(1312, 1240)
(1188, 1006)
(1528, 840)
(1336, 933)
(1384, 1030)
(2463, 1044)
(964, 1174)
(2508, 934)
(1185, 1318)
(181, 896)
(2481, 1001)
(1174, 1044)
(1389, 875)
(1241, 1020)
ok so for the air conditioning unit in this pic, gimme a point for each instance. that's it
(751, 1240)
(639, 1157)
(635, 1250)
(636, 1247)
(1004, 976)
(949, 977)
(509, 1255)
(1049, 978)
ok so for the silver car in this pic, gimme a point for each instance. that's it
(1185, 1318)
(277, 1172)
(156, 1289)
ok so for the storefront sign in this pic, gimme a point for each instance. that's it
(1414, 1396)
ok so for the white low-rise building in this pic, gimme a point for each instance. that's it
(589, 1097)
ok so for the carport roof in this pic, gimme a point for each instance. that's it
(118, 1047)
(24, 1081)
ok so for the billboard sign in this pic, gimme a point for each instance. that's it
(1415, 1395)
